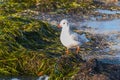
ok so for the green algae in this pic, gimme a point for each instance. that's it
(20, 45)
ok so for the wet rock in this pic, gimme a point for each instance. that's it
(86, 70)
(94, 69)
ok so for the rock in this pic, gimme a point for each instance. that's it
(53, 22)
(97, 70)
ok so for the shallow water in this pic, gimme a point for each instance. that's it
(103, 26)
(108, 11)
(111, 28)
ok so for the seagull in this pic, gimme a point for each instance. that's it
(70, 39)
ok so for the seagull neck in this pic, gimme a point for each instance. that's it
(66, 30)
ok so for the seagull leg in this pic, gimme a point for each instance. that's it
(67, 51)
(77, 50)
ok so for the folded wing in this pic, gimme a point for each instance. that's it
(80, 38)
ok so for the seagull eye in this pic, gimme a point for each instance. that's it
(63, 23)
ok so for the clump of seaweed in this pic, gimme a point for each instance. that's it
(25, 45)
(66, 66)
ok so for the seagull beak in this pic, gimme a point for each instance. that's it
(59, 26)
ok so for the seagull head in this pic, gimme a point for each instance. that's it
(63, 23)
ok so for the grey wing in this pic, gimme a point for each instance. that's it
(80, 38)
(83, 38)
(75, 36)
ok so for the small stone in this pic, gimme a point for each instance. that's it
(53, 22)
